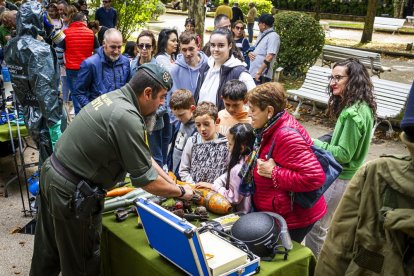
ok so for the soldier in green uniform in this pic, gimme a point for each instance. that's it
(106, 140)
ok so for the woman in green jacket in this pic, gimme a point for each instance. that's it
(352, 104)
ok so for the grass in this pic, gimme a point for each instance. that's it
(360, 26)
(377, 46)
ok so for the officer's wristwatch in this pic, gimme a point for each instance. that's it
(182, 190)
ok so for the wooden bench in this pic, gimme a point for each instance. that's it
(371, 60)
(388, 23)
(390, 96)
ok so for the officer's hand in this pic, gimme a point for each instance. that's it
(188, 193)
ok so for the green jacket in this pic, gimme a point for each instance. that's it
(351, 138)
(370, 228)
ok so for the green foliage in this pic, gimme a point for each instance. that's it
(262, 6)
(351, 7)
(302, 39)
(159, 10)
(132, 14)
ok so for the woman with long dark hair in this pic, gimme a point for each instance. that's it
(224, 64)
(167, 48)
(353, 106)
(240, 140)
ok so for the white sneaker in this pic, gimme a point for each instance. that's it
(72, 111)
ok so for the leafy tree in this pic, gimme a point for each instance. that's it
(132, 14)
(369, 22)
(302, 39)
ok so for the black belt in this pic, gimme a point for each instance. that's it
(66, 173)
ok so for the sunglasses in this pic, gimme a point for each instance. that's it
(114, 47)
(105, 1)
(239, 28)
(144, 46)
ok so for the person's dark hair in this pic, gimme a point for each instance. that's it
(226, 2)
(150, 35)
(130, 49)
(268, 94)
(181, 99)
(234, 90)
(243, 144)
(187, 37)
(93, 24)
(358, 88)
(229, 35)
(79, 16)
(218, 19)
(204, 108)
(189, 21)
(142, 80)
(162, 42)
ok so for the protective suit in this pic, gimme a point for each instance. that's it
(35, 76)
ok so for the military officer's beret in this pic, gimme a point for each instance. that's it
(159, 74)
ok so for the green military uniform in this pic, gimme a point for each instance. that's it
(106, 140)
(372, 226)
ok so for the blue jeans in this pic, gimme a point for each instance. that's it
(159, 140)
(71, 76)
(250, 31)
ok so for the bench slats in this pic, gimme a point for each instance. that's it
(390, 96)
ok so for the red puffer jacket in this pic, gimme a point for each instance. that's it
(300, 172)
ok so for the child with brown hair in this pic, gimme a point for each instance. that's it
(205, 154)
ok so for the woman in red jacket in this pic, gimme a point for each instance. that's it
(282, 161)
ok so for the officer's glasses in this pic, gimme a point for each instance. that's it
(142, 46)
(336, 78)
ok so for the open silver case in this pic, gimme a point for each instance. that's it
(195, 253)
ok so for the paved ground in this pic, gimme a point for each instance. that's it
(16, 249)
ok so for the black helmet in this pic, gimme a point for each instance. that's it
(261, 232)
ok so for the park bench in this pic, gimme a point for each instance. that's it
(389, 24)
(371, 60)
(410, 20)
(390, 96)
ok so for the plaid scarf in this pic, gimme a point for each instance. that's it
(247, 187)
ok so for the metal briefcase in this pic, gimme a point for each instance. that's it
(179, 241)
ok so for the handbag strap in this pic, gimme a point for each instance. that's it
(257, 43)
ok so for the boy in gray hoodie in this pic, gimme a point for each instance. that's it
(186, 68)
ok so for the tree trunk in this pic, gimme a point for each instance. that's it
(369, 22)
(198, 12)
(398, 8)
(318, 10)
(184, 5)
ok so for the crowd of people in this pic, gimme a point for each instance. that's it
(210, 115)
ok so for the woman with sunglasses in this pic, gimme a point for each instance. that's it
(146, 46)
(352, 105)
(224, 64)
(167, 49)
(241, 42)
(158, 125)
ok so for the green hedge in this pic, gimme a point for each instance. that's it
(262, 6)
(302, 39)
(351, 7)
